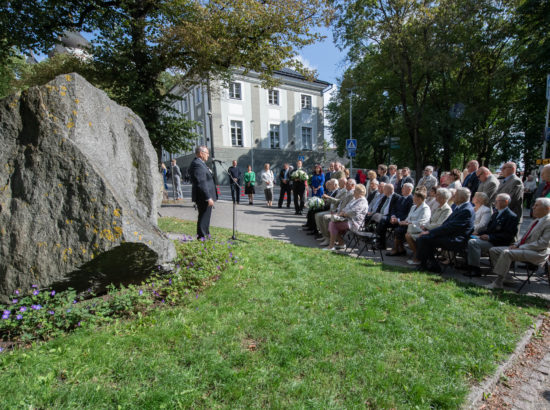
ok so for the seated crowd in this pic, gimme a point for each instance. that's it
(474, 214)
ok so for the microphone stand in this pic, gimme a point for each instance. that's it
(226, 170)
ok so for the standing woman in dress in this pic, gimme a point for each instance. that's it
(317, 181)
(249, 183)
(267, 179)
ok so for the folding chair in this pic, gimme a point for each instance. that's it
(531, 269)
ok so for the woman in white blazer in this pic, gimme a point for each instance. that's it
(351, 217)
(438, 216)
(483, 212)
(418, 215)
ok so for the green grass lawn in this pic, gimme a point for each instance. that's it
(286, 327)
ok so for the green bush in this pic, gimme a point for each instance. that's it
(44, 314)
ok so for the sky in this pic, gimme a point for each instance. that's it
(328, 61)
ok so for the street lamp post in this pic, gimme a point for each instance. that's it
(252, 144)
(350, 129)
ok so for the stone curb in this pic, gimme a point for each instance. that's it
(475, 398)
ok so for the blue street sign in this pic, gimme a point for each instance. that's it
(301, 157)
(351, 152)
(548, 87)
(351, 144)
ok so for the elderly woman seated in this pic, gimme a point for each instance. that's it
(441, 213)
(351, 217)
(482, 211)
(418, 215)
(430, 200)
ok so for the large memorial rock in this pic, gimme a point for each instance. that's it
(80, 190)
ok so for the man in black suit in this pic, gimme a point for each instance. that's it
(284, 182)
(203, 192)
(405, 179)
(235, 175)
(451, 235)
(383, 214)
(298, 189)
(472, 180)
(500, 231)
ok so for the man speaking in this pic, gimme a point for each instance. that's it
(204, 191)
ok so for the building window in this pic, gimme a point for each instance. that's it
(306, 102)
(235, 91)
(237, 133)
(306, 138)
(198, 94)
(274, 136)
(184, 105)
(273, 97)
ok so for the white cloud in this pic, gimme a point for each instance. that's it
(305, 62)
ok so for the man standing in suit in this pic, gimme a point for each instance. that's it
(512, 186)
(500, 231)
(451, 235)
(472, 181)
(284, 182)
(203, 191)
(488, 184)
(531, 248)
(298, 189)
(235, 175)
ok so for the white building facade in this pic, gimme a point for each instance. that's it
(245, 122)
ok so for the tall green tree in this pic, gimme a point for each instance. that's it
(137, 41)
(448, 67)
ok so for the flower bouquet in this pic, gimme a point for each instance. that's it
(315, 203)
(299, 175)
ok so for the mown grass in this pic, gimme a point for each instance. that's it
(285, 327)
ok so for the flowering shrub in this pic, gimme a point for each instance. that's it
(43, 314)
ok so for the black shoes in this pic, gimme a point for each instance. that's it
(474, 272)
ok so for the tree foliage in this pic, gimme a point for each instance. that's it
(448, 69)
(137, 41)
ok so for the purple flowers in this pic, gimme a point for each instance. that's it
(16, 292)
(51, 312)
(74, 301)
(140, 292)
(36, 307)
(19, 317)
(35, 292)
(34, 286)
(23, 309)
(52, 293)
(6, 314)
(170, 281)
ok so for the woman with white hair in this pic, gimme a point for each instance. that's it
(441, 213)
(418, 215)
(351, 217)
(482, 211)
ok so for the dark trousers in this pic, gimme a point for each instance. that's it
(235, 193)
(298, 189)
(426, 246)
(381, 229)
(285, 188)
(203, 223)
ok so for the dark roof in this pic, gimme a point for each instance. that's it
(295, 74)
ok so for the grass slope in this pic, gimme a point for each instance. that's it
(287, 327)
